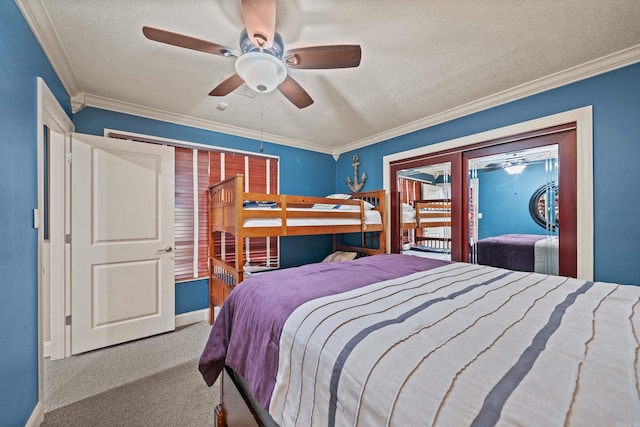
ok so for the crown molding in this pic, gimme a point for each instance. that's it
(87, 100)
(40, 24)
(53, 115)
(588, 69)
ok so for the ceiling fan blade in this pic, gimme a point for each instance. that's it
(323, 57)
(227, 86)
(188, 42)
(260, 21)
(491, 167)
(295, 93)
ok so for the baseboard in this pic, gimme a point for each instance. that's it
(192, 317)
(37, 416)
(46, 349)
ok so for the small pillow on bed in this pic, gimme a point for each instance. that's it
(338, 256)
(367, 206)
(407, 207)
(332, 196)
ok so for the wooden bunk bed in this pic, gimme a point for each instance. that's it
(430, 218)
(283, 215)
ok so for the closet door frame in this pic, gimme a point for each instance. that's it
(578, 164)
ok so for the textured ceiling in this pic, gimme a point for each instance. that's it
(419, 59)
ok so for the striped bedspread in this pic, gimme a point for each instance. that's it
(463, 345)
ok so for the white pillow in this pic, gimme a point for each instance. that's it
(407, 207)
(339, 196)
(367, 206)
(332, 196)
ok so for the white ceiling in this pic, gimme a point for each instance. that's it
(423, 61)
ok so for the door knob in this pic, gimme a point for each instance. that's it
(167, 249)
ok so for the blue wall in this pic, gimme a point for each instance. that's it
(615, 97)
(192, 295)
(504, 201)
(21, 61)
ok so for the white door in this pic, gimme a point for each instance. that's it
(122, 238)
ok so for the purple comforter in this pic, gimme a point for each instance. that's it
(246, 332)
(511, 251)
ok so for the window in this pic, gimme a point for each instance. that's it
(187, 213)
(196, 170)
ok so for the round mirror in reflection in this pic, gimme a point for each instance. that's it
(543, 206)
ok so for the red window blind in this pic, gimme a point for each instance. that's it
(184, 214)
(410, 190)
(261, 176)
(192, 229)
(203, 214)
(234, 164)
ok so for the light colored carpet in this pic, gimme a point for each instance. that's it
(154, 381)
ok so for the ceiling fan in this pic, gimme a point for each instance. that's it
(261, 62)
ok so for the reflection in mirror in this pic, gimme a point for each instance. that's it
(544, 206)
(425, 204)
(504, 218)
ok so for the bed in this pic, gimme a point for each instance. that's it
(400, 340)
(522, 252)
(241, 214)
(427, 225)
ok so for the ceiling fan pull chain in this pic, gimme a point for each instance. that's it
(261, 113)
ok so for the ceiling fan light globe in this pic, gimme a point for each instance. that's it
(515, 169)
(261, 71)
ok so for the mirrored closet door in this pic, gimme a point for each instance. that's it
(513, 204)
(425, 209)
(520, 185)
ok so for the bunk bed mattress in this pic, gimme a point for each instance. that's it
(370, 217)
(409, 217)
(459, 344)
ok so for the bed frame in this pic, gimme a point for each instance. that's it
(226, 214)
(431, 213)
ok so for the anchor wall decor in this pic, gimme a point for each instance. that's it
(356, 186)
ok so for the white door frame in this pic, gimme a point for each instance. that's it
(58, 146)
(53, 116)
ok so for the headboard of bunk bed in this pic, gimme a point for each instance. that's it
(287, 214)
